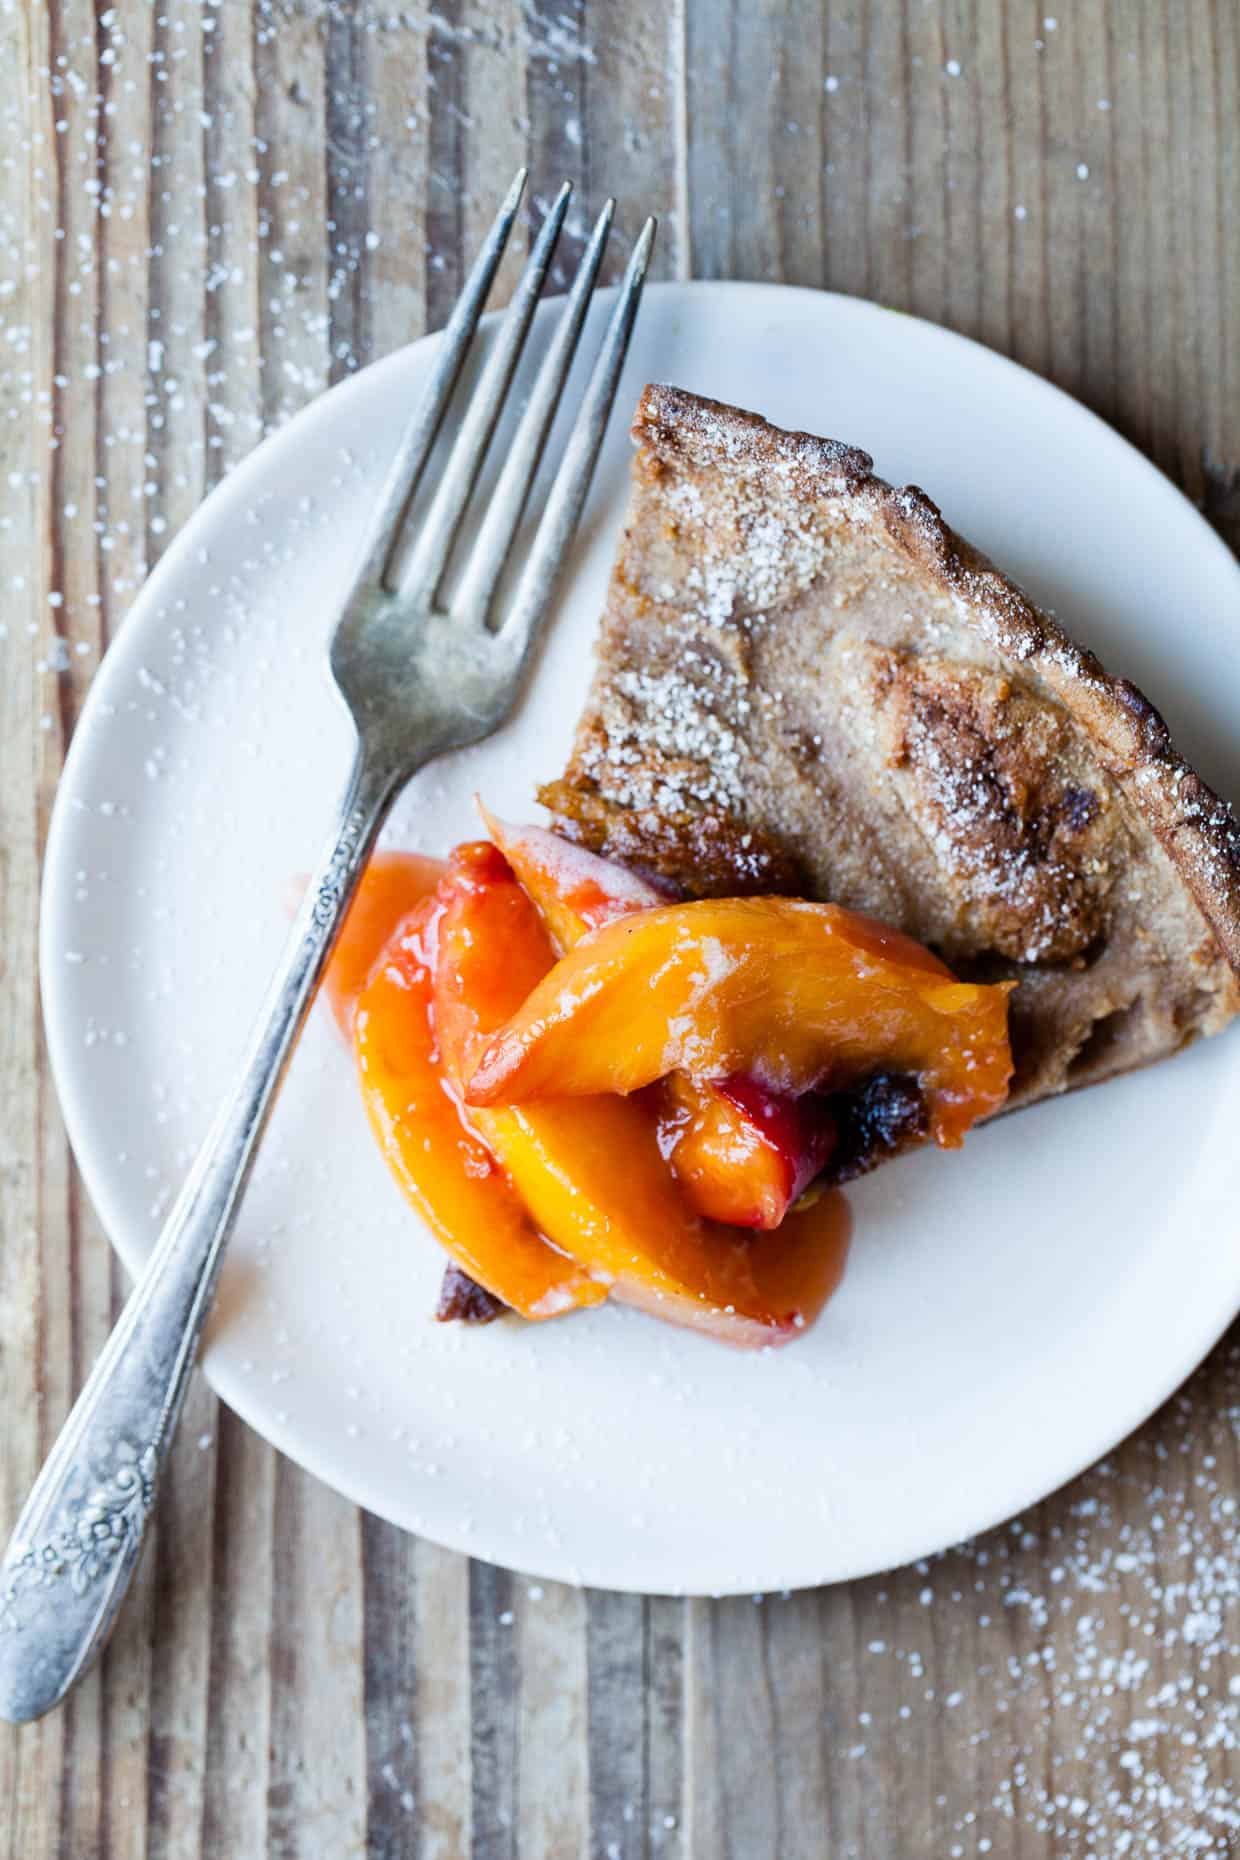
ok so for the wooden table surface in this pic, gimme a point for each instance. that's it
(208, 212)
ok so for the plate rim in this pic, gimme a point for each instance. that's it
(73, 1098)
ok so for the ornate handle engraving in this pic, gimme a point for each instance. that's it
(78, 1539)
(110, 1520)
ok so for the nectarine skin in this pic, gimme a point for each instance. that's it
(444, 1170)
(741, 1154)
(574, 890)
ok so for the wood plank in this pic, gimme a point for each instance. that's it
(552, 1766)
(632, 129)
(488, 109)
(442, 1726)
(162, 259)
(665, 1729)
(1220, 465)
(291, 262)
(417, 1696)
(802, 1694)
(103, 1726)
(394, 256)
(310, 318)
(475, 140)
(602, 108)
(392, 1673)
(226, 1498)
(617, 1697)
(731, 1801)
(417, 1596)
(316, 1791)
(32, 1761)
(232, 163)
(346, 108)
(241, 1570)
(169, 1684)
(494, 1734)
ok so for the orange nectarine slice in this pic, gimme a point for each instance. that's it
(740, 1156)
(392, 884)
(589, 1171)
(445, 1171)
(800, 996)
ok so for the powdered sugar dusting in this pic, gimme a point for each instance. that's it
(997, 859)
(673, 738)
(754, 545)
(686, 723)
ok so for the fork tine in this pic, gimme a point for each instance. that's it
(572, 480)
(407, 466)
(506, 503)
(428, 556)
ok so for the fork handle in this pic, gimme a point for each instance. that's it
(78, 1539)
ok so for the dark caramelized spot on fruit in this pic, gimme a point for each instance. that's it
(875, 1120)
(463, 1301)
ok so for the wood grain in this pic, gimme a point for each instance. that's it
(207, 213)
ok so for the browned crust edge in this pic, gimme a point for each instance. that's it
(1195, 826)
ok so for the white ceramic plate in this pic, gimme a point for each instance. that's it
(1007, 1314)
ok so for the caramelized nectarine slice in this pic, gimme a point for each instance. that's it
(800, 996)
(741, 1155)
(590, 1172)
(448, 1175)
(392, 884)
(574, 890)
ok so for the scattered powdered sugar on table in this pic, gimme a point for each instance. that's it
(1085, 1657)
(1142, 1559)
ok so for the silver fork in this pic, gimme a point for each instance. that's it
(418, 678)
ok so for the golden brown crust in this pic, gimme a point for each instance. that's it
(1198, 829)
(727, 859)
(808, 682)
